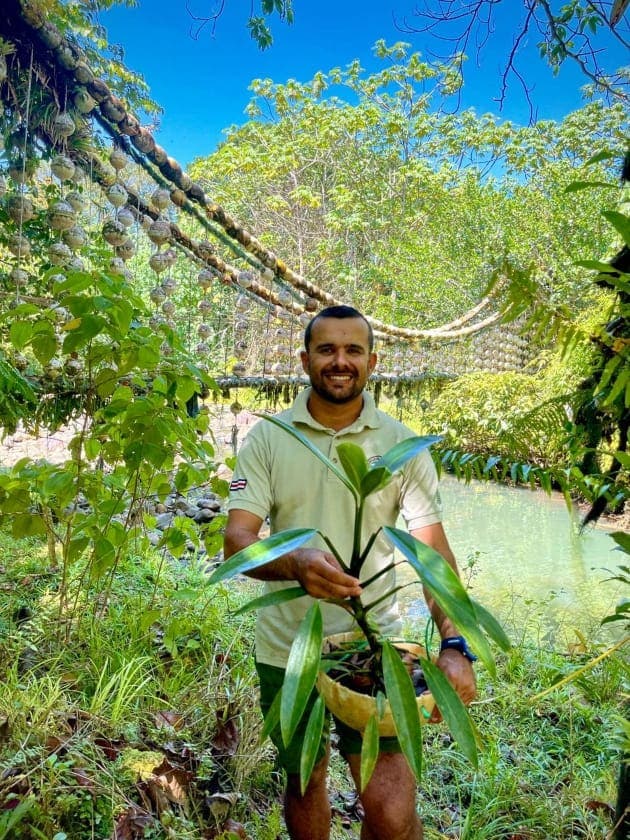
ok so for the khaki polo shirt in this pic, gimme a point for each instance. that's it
(278, 477)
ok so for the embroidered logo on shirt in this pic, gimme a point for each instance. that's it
(238, 484)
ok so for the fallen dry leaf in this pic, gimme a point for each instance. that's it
(83, 780)
(227, 737)
(172, 720)
(227, 831)
(131, 824)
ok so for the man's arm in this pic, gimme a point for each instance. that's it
(457, 668)
(317, 571)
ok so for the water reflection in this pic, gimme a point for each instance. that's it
(526, 561)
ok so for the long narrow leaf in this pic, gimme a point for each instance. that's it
(272, 718)
(453, 711)
(398, 455)
(261, 552)
(312, 740)
(301, 671)
(271, 598)
(369, 751)
(402, 700)
(447, 589)
(491, 626)
(312, 448)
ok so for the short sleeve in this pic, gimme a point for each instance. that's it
(250, 488)
(421, 504)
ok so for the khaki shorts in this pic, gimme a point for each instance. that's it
(349, 741)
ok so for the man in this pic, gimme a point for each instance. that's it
(277, 476)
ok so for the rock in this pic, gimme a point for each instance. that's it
(154, 537)
(164, 520)
(204, 515)
(209, 503)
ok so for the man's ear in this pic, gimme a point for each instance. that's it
(304, 360)
(372, 362)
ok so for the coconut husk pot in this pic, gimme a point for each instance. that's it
(354, 708)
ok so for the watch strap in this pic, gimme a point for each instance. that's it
(459, 644)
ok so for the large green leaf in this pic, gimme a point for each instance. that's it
(301, 671)
(291, 430)
(354, 462)
(398, 455)
(447, 589)
(312, 740)
(261, 552)
(453, 710)
(402, 700)
(271, 598)
(491, 626)
(369, 750)
(374, 480)
(620, 222)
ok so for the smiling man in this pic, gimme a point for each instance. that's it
(276, 476)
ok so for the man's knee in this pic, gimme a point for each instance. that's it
(389, 801)
(317, 782)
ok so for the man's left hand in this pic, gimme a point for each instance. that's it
(459, 672)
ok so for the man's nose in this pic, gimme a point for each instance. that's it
(341, 357)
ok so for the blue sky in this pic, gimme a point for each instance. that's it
(202, 83)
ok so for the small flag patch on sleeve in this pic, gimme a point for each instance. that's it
(238, 484)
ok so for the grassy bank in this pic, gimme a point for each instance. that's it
(131, 712)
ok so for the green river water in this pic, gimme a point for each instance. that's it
(523, 558)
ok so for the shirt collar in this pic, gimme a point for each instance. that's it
(368, 419)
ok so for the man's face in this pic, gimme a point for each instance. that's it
(338, 361)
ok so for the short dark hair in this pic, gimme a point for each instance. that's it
(341, 311)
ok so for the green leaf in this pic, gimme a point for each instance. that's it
(622, 539)
(261, 552)
(27, 525)
(618, 386)
(491, 626)
(354, 462)
(402, 700)
(301, 671)
(453, 711)
(272, 718)
(605, 155)
(402, 452)
(44, 347)
(270, 598)
(576, 186)
(312, 740)
(20, 334)
(291, 430)
(447, 589)
(597, 265)
(620, 222)
(369, 750)
(375, 479)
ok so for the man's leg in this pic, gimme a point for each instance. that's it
(389, 800)
(308, 817)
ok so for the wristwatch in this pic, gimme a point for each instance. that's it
(458, 643)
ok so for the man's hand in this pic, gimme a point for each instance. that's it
(321, 575)
(459, 672)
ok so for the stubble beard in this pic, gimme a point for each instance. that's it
(319, 386)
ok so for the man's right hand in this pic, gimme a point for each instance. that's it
(321, 575)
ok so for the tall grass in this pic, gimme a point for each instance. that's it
(152, 711)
